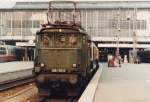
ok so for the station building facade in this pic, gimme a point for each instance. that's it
(111, 24)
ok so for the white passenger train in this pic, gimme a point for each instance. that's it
(7, 53)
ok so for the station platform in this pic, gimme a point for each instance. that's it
(128, 83)
(16, 69)
(91, 88)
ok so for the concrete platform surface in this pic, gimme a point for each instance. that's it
(130, 83)
(89, 92)
(15, 66)
(15, 70)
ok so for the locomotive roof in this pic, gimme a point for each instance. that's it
(61, 28)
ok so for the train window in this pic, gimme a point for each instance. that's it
(62, 38)
(66, 40)
(2, 48)
(45, 41)
(73, 39)
(2, 51)
(13, 51)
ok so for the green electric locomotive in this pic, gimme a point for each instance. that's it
(64, 55)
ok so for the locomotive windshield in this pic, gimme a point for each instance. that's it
(59, 40)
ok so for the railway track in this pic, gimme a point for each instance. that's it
(23, 93)
(66, 95)
(61, 96)
(16, 82)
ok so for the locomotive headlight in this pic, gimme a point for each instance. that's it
(74, 65)
(73, 79)
(42, 65)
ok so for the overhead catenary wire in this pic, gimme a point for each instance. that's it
(72, 16)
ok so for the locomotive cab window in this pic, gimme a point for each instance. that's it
(61, 39)
(67, 40)
(72, 39)
(45, 40)
(52, 40)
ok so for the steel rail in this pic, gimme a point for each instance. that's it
(16, 82)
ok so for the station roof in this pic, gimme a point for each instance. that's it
(82, 5)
